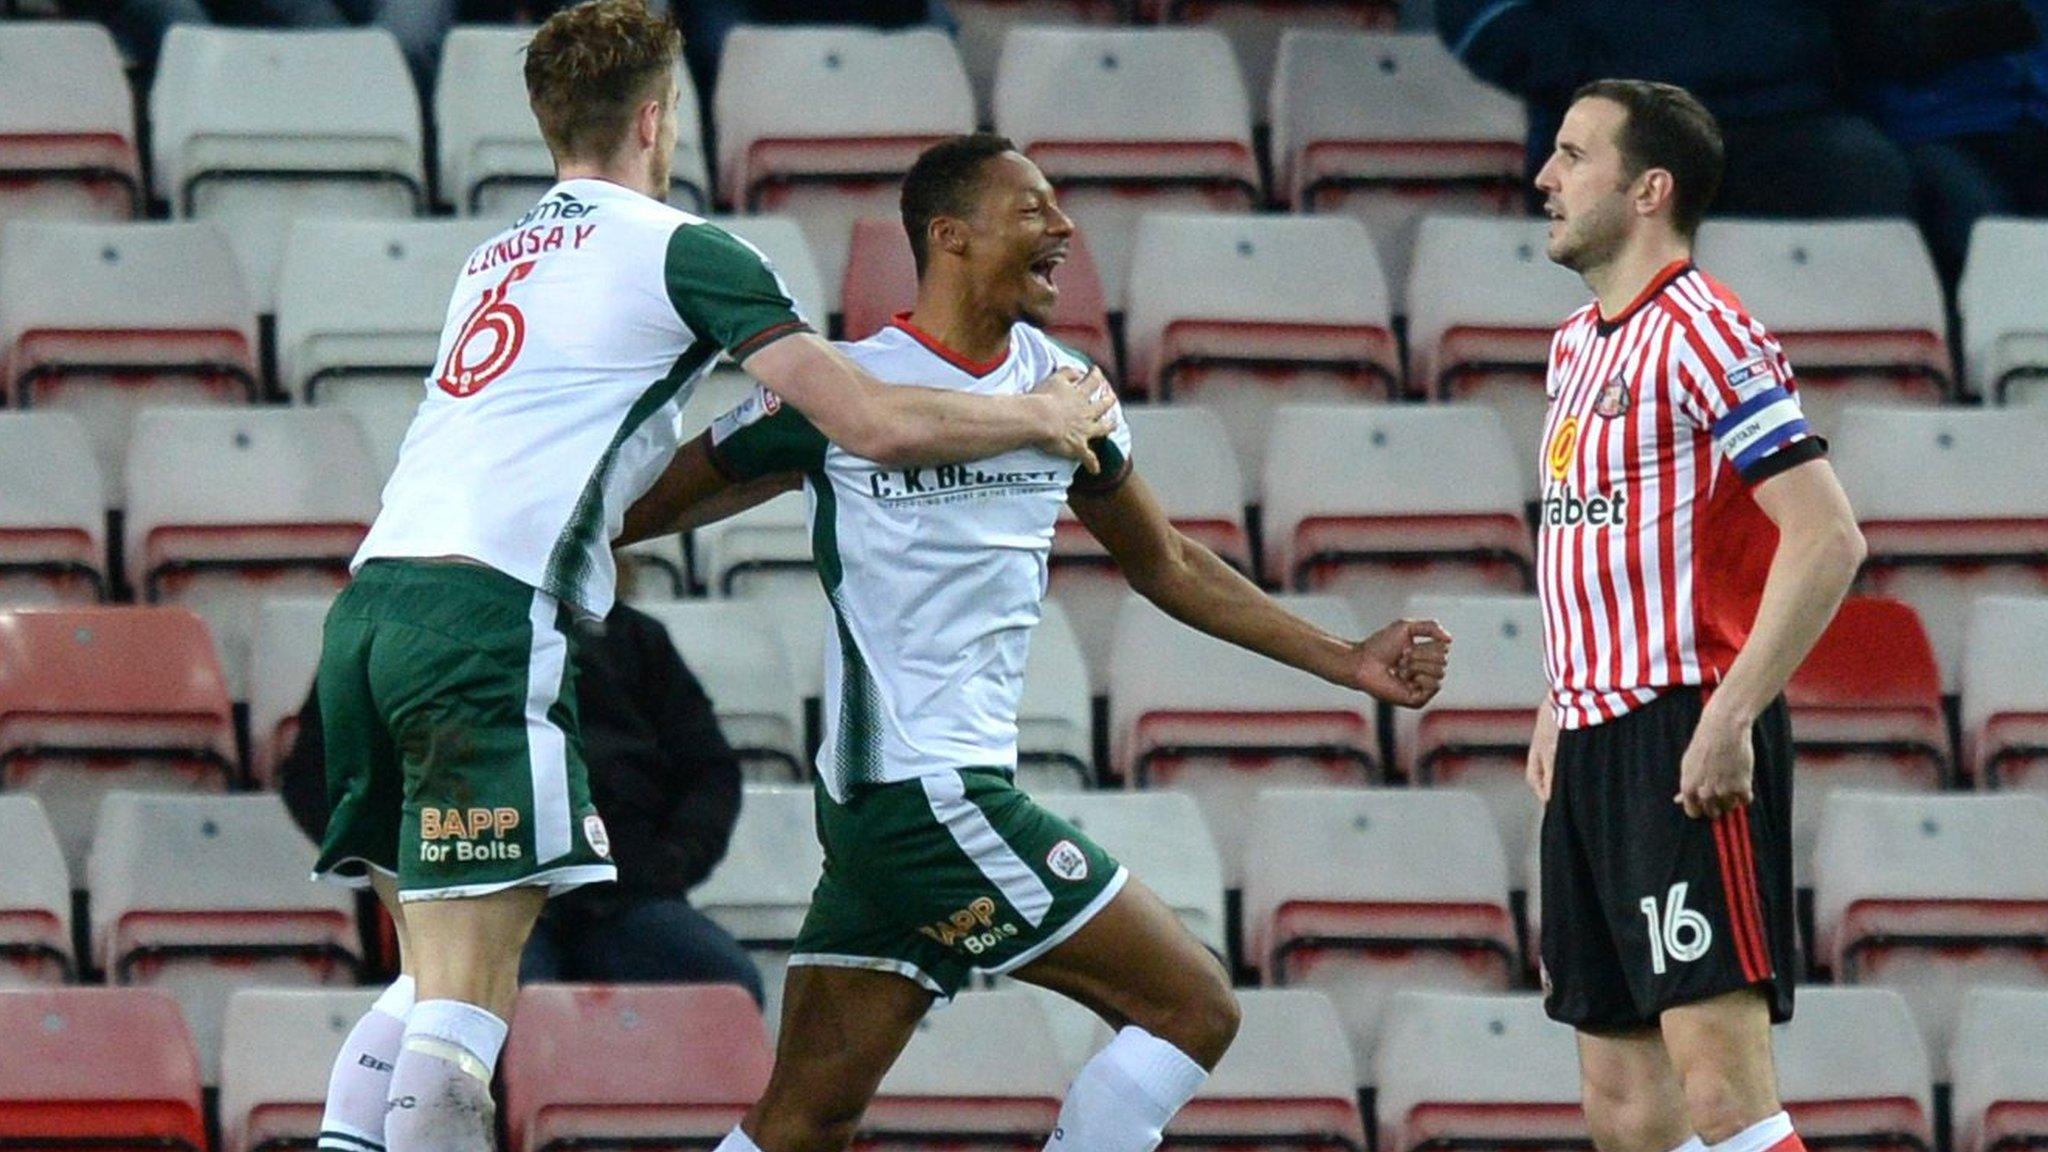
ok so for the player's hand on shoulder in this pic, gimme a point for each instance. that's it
(1082, 407)
(1403, 663)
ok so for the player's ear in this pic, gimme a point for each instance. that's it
(1655, 191)
(948, 234)
(647, 123)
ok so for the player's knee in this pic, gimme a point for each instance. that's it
(803, 1121)
(1721, 1101)
(1207, 1019)
(1620, 1122)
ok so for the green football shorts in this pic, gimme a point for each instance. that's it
(938, 877)
(453, 757)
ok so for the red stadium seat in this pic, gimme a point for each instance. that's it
(93, 699)
(110, 1069)
(1289, 1082)
(881, 282)
(631, 1065)
(1869, 696)
(67, 124)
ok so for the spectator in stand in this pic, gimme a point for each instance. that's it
(1767, 69)
(1962, 86)
(139, 26)
(668, 787)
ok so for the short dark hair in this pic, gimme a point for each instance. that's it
(944, 181)
(1668, 128)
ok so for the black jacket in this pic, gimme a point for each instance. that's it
(661, 773)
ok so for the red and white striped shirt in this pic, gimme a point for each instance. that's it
(1651, 551)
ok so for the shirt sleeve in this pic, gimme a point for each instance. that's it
(1113, 451)
(727, 291)
(1738, 386)
(763, 436)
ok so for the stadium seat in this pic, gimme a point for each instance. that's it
(1362, 893)
(1855, 304)
(93, 699)
(1928, 894)
(2000, 1071)
(1387, 127)
(631, 1065)
(35, 897)
(258, 128)
(984, 24)
(736, 652)
(1475, 1071)
(762, 889)
(1162, 838)
(277, 1049)
(1475, 735)
(2005, 693)
(653, 570)
(881, 283)
(1866, 713)
(101, 319)
(822, 122)
(1190, 711)
(1185, 456)
(1358, 503)
(1853, 1072)
(984, 1073)
(67, 124)
(1127, 121)
(227, 507)
(783, 241)
(1242, 313)
(1258, 28)
(284, 654)
(1056, 715)
(2005, 322)
(53, 516)
(1953, 506)
(1287, 1082)
(99, 1068)
(492, 161)
(360, 305)
(1483, 301)
(383, 418)
(200, 895)
(762, 552)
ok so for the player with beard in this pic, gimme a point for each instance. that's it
(572, 340)
(1693, 545)
(936, 864)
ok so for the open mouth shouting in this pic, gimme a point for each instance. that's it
(1042, 268)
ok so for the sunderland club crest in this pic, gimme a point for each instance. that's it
(1614, 399)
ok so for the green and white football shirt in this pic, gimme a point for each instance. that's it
(572, 342)
(935, 574)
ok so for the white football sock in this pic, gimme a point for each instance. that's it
(356, 1089)
(1765, 1134)
(1693, 1145)
(737, 1141)
(1124, 1096)
(440, 1097)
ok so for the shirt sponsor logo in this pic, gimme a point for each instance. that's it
(1752, 377)
(954, 481)
(1067, 861)
(1564, 447)
(469, 834)
(1564, 507)
(1614, 399)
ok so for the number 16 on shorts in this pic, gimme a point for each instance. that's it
(1676, 932)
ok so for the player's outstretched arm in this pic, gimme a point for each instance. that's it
(1402, 663)
(691, 492)
(910, 426)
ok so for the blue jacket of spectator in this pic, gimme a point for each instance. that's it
(1990, 94)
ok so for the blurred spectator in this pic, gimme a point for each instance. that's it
(1767, 69)
(1962, 86)
(668, 787)
(139, 26)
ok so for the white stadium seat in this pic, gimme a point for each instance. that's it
(1363, 892)
(764, 551)
(985, 1071)
(52, 512)
(2000, 1070)
(822, 122)
(228, 506)
(1387, 127)
(1162, 838)
(1056, 716)
(1471, 1071)
(67, 124)
(1190, 711)
(1853, 1072)
(1927, 894)
(761, 891)
(257, 128)
(1286, 1082)
(735, 651)
(35, 897)
(2005, 693)
(1855, 303)
(1241, 313)
(1953, 505)
(1358, 503)
(1129, 120)
(1258, 28)
(492, 160)
(102, 319)
(983, 25)
(284, 656)
(2005, 318)
(199, 895)
(277, 1051)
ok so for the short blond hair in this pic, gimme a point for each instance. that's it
(590, 67)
